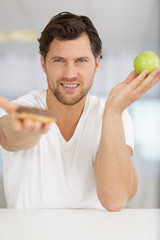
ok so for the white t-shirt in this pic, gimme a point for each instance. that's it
(56, 173)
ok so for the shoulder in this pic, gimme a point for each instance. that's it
(95, 103)
(93, 110)
(126, 117)
(35, 98)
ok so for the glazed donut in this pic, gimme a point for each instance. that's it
(42, 115)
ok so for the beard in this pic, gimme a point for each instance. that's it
(62, 98)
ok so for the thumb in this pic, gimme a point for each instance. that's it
(7, 105)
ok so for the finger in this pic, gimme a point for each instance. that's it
(27, 125)
(45, 127)
(7, 105)
(36, 127)
(139, 79)
(150, 81)
(3, 101)
(17, 123)
(131, 77)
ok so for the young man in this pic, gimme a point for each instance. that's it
(82, 161)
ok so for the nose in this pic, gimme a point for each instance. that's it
(70, 71)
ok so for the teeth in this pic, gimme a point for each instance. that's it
(70, 85)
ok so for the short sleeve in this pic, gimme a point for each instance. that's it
(5, 154)
(2, 112)
(128, 129)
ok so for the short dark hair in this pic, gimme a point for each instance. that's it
(68, 26)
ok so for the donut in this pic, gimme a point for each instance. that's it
(44, 116)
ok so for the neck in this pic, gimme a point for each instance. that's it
(68, 116)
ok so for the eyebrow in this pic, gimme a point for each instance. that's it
(83, 57)
(58, 57)
(55, 57)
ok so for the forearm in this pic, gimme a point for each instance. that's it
(114, 173)
(12, 139)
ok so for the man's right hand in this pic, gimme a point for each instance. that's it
(17, 134)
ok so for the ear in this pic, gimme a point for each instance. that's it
(97, 63)
(43, 65)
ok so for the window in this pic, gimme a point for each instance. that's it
(146, 119)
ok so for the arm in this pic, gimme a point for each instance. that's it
(18, 134)
(115, 175)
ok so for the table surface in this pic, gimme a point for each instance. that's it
(79, 224)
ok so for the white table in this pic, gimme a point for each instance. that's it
(68, 224)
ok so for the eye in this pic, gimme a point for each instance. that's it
(82, 60)
(58, 60)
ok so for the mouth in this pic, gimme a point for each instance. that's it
(70, 85)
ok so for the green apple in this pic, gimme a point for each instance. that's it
(146, 60)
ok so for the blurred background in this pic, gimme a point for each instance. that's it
(127, 28)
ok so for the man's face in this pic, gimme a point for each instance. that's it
(70, 67)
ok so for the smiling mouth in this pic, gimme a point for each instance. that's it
(69, 85)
